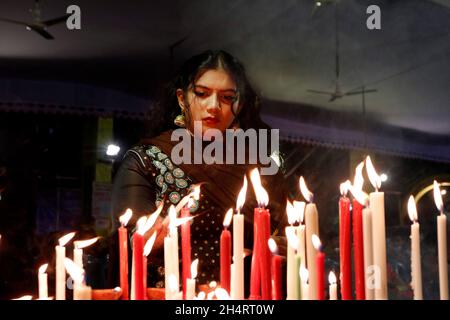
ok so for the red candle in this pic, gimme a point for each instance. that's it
(138, 261)
(320, 265)
(185, 249)
(345, 244)
(144, 276)
(266, 287)
(276, 271)
(225, 253)
(123, 253)
(255, 277)
(358, 250)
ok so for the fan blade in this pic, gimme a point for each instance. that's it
(54, 21)
(360, 92)
(42, 32)
(15, 21)
(320, 92)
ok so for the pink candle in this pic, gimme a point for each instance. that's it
(185, 249)
(276, 271)
(345, 244)
(225, 253)
(123, 253)
(320, 265)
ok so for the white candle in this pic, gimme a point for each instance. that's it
(60, 269)
(292, 271)
(368, 252)
(43, 282)
(442, 243)
(304, 275)
(171, 262)
(376, 200)
(80, 291)
(237, 282)
(299, 207)
(78, 250)
(416, 269)
(333, 285)
(190, 283)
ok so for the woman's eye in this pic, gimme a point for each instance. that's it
(230, 99)
(200, 93)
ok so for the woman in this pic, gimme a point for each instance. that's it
(210, 90)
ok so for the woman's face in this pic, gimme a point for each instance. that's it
(210, 100)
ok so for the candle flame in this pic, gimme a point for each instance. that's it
(63, 240)
(194, 268)
(117, 289)
(438, 197)
(332, 278)
(222, 294)
(213, 284)
(84, 243)
(140, 225)
(292, 238)
(272, 246)
(304, 274)
(43, 268)
(359, 195)
(308, 195)
(153, 217)
(180, 221)
(241, 197)
(76, 273)
(201, 295)
(173, 286)
(149, 244)
(316, 242)
(299, 207)
(228, 217)
(187, 200)
(358, 180)
(374, 178)
(27, 297)
(344, 187)
(126, 217)
(412, 210)
(262, 197)
(290, 212)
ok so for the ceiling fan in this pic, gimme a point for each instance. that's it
(338, 93)
(38, 25)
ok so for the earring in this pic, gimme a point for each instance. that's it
(180, 121)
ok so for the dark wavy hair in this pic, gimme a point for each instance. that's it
(162, 115)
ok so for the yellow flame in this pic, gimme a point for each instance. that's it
(153, 217)
(358, 180)
(126, 217)
(84, 243)
(74, 270)
(292, 238)
(140, 225)
(412, 210)
(241, 197)
(194, 268)
(438, 197)
(332, 278)
(374, 178)
(149, 244)
(359, 195)
(43, 268)
(308, 195)
(201, 295)
(316, 242)
(290, 212)
(272, 246)
(63, 240)
(299, 207)
(304, 274)
(222, 294)
(213, 284)
(344, 187)
(262, 197)
(228, 217)
(180, 221)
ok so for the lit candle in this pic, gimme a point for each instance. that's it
(378, 232)
(123, 253)
(225, 252)
(345, 249)
(222, 294)
(292, 273)
(276, 271)
(147, 249)
(370, 279)
(78, 250)
(299, 207)
(416, 269)
(312, 227)
(333, 285)
(137, 284)
(358, 238)
(60, 269)
(320, 261)
(442, 243)
(42, 282)
(190, 290)
(237, 284)
(80, 291)
(304, 277)
(261, 257)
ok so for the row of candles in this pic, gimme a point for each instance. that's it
(305, 257)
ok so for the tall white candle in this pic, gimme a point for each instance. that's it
(43, 282)
(190, 283)
(416, 269)
(292, 271)
(368, 252)
(60, 269)
(376, 200)
(299, 207)
(333, 285)
(442, 243)
(237, 283)
(304, 276)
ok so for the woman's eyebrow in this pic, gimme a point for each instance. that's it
(207, 88)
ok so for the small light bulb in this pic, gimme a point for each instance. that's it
(383, 177)
(112, 150)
